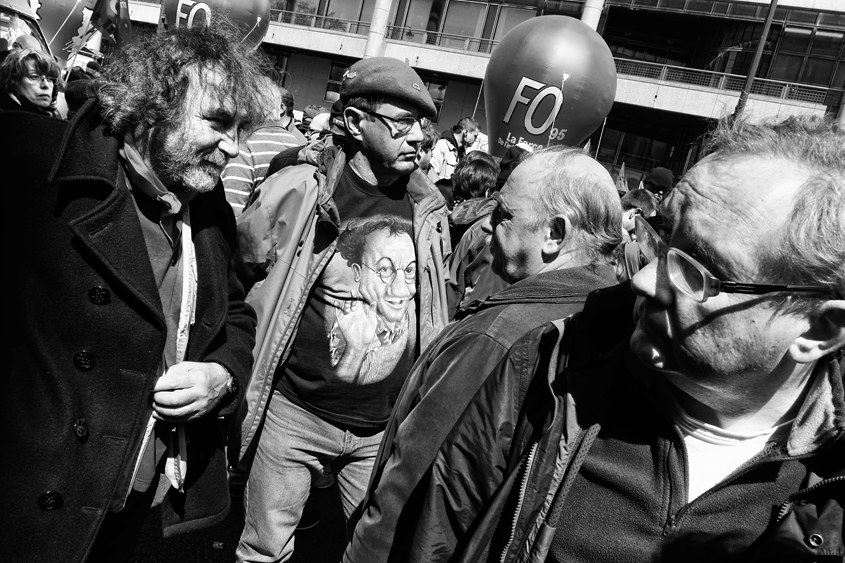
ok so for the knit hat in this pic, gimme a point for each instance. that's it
(659, 180)
(386, 77)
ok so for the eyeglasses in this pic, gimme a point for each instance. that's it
(401, 126)
(39, 78)
(687, 275)
(388, 274)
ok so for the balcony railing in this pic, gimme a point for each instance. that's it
(320, 22)
(730, 82)
(626, 67)
(447, 40)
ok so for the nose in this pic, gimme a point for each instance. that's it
(487, 225)
(416, 134)
(228, 142)
(651, 282)
(399, 287)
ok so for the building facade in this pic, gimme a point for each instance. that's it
(680, 63)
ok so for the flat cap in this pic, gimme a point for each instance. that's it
(386, 77)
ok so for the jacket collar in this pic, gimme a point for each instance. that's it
(820, 420)
(83, 139)
(330, 162)
(568, 285)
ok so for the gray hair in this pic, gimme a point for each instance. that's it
(809, 249)
(586, 195)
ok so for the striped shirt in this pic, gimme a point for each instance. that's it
(247, 170)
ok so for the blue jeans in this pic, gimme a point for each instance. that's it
(293, 448)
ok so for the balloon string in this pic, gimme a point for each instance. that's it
(257, 21)
(72, 8)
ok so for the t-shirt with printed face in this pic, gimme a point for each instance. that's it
(357, 338)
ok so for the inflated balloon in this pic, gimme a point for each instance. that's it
(550, 81)
(251, 16)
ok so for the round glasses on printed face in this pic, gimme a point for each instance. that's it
(388, 274)
(688, 276)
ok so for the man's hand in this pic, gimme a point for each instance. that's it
(189, 390)
(357, 321)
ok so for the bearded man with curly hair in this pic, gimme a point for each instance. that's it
(130, 331)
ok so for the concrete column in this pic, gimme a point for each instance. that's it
(378, 29)
(592, 12)
(841, 118)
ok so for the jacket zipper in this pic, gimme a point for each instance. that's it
(523, 487)
(673, 519)
(787, 504)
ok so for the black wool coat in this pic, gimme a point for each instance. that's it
(85, 334)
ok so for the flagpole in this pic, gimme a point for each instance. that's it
(598, 146)
(75, 4)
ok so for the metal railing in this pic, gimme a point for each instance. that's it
(726, 82)
(627, 67)
(447, 40)
(320, 22)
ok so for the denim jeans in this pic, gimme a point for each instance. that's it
(293, 448)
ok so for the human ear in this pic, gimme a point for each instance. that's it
(352, 117)
(825, 335)
(557, 229)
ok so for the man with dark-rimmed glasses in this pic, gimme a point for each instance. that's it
(351, 242)
(717, 432)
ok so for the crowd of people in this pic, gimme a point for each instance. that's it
(490, 358)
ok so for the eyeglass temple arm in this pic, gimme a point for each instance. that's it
(759, 288)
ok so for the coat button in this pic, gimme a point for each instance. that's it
(99, 295)
(80, 427)
(815, 540)
(51, 500)
(84, 361)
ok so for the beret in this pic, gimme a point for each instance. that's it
(386, 77)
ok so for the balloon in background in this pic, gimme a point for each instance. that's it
(550, 81)
(252, 17)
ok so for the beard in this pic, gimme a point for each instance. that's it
(177, 162)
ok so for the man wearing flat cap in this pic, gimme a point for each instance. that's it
(349, 246)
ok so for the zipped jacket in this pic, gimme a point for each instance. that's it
(533, 423)
(436, 394)
(278, 239)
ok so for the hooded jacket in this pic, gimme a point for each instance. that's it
(445, 156)
(277, 233)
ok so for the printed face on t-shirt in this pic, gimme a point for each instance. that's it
(387, 274)
(368, 328)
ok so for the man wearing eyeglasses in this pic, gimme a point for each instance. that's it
(350, 243)
(556, 224)
(716, 432)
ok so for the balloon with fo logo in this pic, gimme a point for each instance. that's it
(550, 81)
(252, 17)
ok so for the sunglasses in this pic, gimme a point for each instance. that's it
(688, 276)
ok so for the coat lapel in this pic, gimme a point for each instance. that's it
(108, 228)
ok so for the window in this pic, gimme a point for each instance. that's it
(509, 18)
(437, 90)
(335, 78)
(465, 18)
